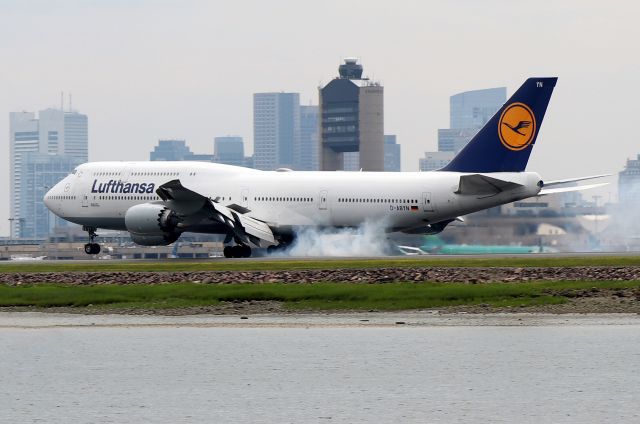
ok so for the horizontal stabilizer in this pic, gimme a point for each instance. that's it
(574, 180)
(482, 185)
(546, 191)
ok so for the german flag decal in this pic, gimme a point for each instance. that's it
(414, 208)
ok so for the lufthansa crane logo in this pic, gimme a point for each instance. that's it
(517, 126)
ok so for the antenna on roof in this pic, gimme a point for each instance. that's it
(62, 100)
(70, 109)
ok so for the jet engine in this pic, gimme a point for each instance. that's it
(152, 225)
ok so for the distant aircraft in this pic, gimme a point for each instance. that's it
(26, 258)
(157, 201)
(434, 245)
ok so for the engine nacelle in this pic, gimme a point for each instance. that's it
(151, 225)
(161, 240)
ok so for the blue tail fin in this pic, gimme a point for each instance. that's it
(505, 142)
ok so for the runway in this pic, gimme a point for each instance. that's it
(283, 258)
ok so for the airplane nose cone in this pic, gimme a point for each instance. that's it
(48, 197)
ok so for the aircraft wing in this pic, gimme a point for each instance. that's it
(482, 185)
(546, 191)
(188, 202)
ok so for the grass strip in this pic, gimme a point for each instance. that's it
(323, 296)
(328, 264)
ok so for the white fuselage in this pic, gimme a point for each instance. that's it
(99, 194)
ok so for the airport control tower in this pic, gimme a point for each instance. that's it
(351, 119)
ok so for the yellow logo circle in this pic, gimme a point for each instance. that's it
(517, 126)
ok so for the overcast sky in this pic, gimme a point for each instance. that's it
(145, 70)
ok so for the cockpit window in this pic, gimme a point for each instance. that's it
(74, 171)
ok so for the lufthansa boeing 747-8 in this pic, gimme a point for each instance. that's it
(157, 201)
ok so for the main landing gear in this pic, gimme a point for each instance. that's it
(91, 248)
(285, 242)
(277, 248)
(237, 251)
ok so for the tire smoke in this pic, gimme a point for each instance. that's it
(369, 239)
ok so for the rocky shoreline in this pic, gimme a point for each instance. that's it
(470, 275)
(590, 301)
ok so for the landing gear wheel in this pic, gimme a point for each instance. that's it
(277, 248)
(237, 251)
(92, 248)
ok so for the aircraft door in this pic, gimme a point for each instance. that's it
(85, 201)
(244, 198)
(322, 204)
(427, 202)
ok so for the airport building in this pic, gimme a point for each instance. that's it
(51, 143)
(352, 120)
(276, 130)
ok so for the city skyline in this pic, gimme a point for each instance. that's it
(169, 70)
(43, 149)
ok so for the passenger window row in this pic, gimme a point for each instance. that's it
(61, 197)
(155, 174)
(283, 199)
(350, 200)
(128, 197)
(140, 174)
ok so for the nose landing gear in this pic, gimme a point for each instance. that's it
(91, 248)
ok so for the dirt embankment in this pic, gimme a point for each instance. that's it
(470, 275)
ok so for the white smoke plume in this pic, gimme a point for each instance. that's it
(369, 239)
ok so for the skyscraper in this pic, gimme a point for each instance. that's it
(435, 160)
(170, 150)
(40, 172)
(173, 150)
(309, 144)
(473, 109)
(629, 183)
(55, 135)
(391, 154)
(468, 112)
(229, 150)
(276, 130)
(352, 120)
